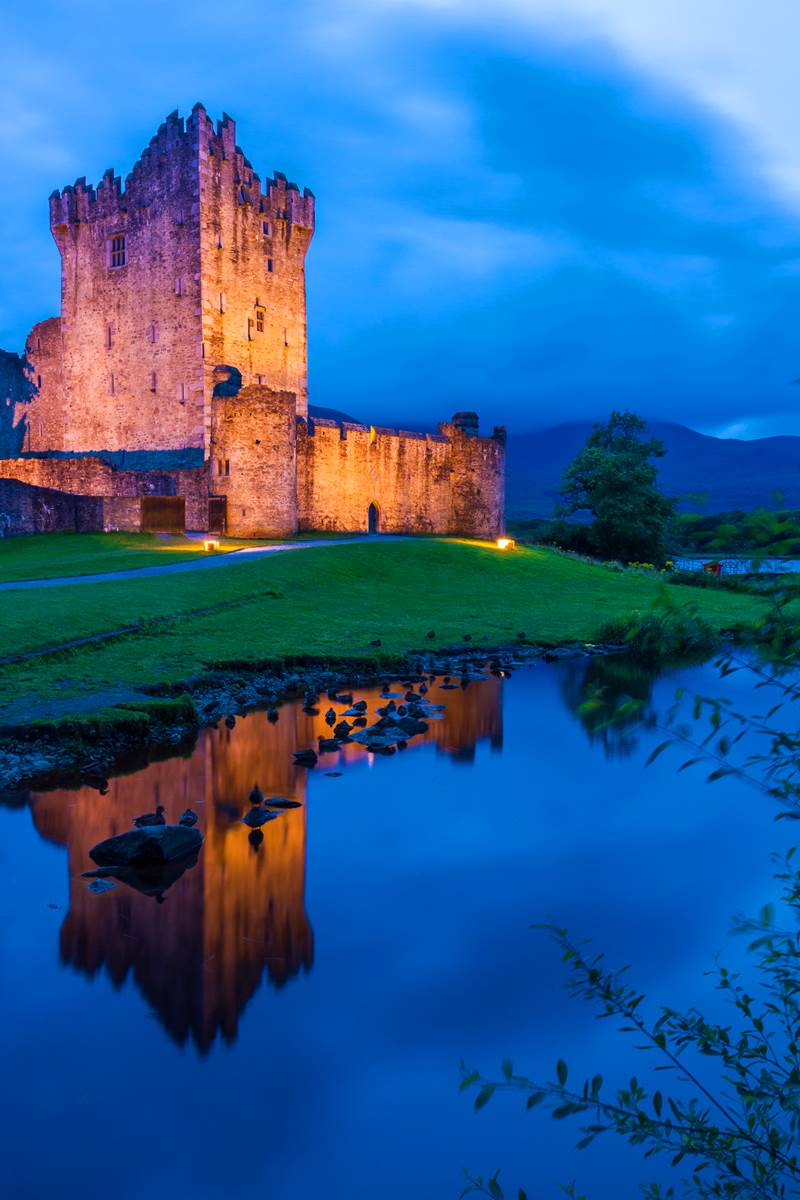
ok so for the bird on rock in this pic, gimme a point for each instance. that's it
(188, 817)
(256, 795)
(330, 717)
(153, 818)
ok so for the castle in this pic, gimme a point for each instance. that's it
(172, 392)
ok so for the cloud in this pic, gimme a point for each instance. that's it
(525, 215)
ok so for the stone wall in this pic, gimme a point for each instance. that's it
(44, 412)
(477, 478)
(253, 461)
(343, 469)
(27, 509)
(85, 476)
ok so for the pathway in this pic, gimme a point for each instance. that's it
(202, 563)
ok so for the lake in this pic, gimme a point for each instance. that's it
(288, 1021)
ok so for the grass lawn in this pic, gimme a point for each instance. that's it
(329, 601)
(49, 555)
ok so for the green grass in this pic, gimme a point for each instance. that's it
(50, 555)
(330, 601)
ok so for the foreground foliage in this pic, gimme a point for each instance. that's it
(729, 1107)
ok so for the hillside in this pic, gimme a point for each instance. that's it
(707, 473)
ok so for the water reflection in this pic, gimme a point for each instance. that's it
(239, 913)
(594, 690)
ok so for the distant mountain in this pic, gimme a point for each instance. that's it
(329, 414)
(729, 473)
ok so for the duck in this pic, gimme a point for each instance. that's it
(256, 795)
(153, 818)
(188, 817)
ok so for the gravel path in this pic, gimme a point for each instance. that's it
(201, 563)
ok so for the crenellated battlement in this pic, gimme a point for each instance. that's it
(177, 140)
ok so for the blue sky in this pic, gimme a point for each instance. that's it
(539, 210)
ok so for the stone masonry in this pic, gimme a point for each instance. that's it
(183, 331)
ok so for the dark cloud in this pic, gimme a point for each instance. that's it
(530, 230)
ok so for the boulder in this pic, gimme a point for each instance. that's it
(153, 844)
(258, 816)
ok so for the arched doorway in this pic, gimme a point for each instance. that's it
(373, 519)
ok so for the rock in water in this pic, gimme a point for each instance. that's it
(305, 758)
(258, 816)
(101, 885)
(279, 802)
(154, 844)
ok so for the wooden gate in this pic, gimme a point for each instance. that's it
(163, 514)
(217, 514)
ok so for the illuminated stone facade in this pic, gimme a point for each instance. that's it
(183, 333)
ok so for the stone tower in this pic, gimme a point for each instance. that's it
(190, 266)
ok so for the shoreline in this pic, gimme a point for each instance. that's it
(83, 750)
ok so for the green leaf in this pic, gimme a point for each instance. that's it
(658, 750)
(484, 1095)
(508, 1070)
(522, 1194)
(468, 1081)
(495, 1191)
(658, 1103)
(534, 1099)
(561, 1071)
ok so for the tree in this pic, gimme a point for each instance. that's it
(614, 479)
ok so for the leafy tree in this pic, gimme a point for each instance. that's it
(613, 478)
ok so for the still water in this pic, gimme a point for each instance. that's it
(289, 1021)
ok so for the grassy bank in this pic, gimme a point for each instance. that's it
(329, 602)
(50, 555)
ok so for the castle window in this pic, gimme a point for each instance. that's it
(260, 320)
(153, 381)
(153, 332)
(222, 302)
(269, 265)
(112, 391)
(179, 285)
(109, 336)
(181, 391)
(227, 466)
(38, 381)
(118, 251)
(266, 228)
(259, 379)
(179, 217)
(249, 329)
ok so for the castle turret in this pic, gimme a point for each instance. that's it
(189, 264)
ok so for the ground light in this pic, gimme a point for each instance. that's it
(211, 544)
(505, 543)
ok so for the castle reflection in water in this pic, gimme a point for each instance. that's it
(239, 912)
